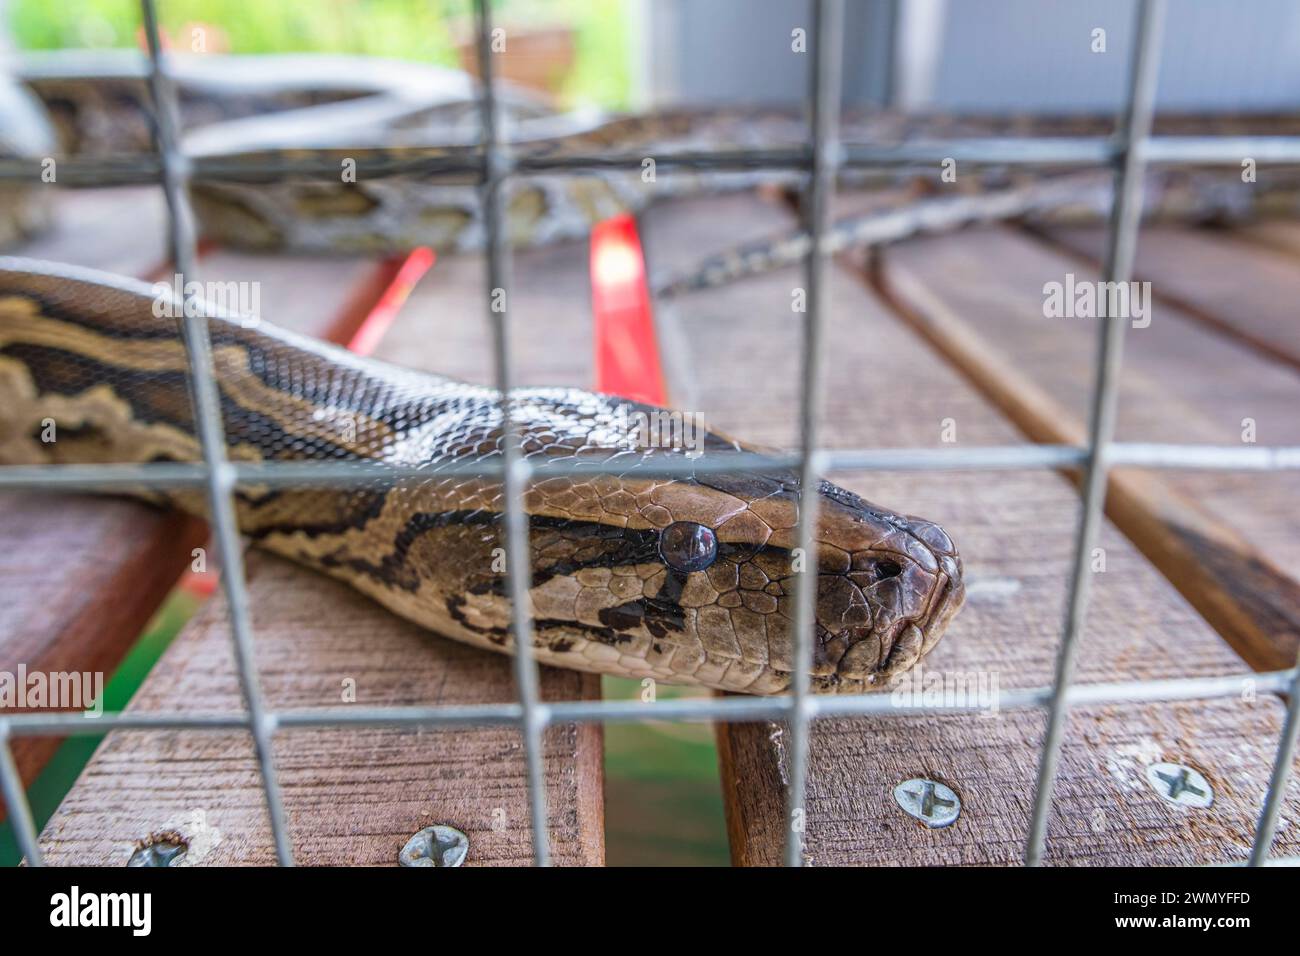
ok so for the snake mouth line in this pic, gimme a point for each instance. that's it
(876, 655)
(951, 597)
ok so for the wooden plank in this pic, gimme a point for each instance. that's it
(79, 580)
(82, 574)
(301, 293)
(1278, 234)
(885, 387)
(354, 796)
(1229, 542)
(1234, 287)
(444, 329)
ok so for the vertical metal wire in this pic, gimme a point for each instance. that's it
(1135, 127)
(824, 111)
(1277, 781)
(20, 811)
(207, 422)
(496, 169)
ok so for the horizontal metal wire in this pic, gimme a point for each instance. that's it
(1210, 457)
(1079, 151)
(63, 478)
(726, 709)
(1020, 151)
(1220, 150)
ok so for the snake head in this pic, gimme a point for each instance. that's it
(694, 580)
(887, 583)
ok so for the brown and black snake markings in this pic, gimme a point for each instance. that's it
(690, 580)
(687, 580)
(411, 133)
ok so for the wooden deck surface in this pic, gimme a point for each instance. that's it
(1229, 540)
(1214, 277)
(887, 387)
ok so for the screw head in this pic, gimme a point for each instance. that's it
(1180, 785)
(933, 803)
(438, 845)
(161, 849)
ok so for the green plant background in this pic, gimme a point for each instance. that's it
(422, 30)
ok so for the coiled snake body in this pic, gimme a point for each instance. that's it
(363, 122)
(685, 580)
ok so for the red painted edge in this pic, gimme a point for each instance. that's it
(382, 314)
(627, 348)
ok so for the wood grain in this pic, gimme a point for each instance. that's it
(885, 387)
(1280, 235)
(1228, 541)
(1211, 276)
(352, 796)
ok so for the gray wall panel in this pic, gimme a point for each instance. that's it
(988, 54)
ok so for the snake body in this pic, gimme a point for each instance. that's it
(394, 153)
(689, 580)
(686, 580)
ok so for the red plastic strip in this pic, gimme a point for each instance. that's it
(372, 328)
(627, 348)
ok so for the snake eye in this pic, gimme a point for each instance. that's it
(686, 546)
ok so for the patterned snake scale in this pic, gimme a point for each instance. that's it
(685, 581)
(241, 112)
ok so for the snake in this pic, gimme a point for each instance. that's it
(687, 580)
(391, 159)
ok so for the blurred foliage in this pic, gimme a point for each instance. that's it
(663, 799)
(421, 30)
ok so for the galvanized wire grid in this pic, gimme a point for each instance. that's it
(1130, 151)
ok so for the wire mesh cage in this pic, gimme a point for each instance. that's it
(1129, 152)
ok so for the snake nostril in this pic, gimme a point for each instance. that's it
(888, 569)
